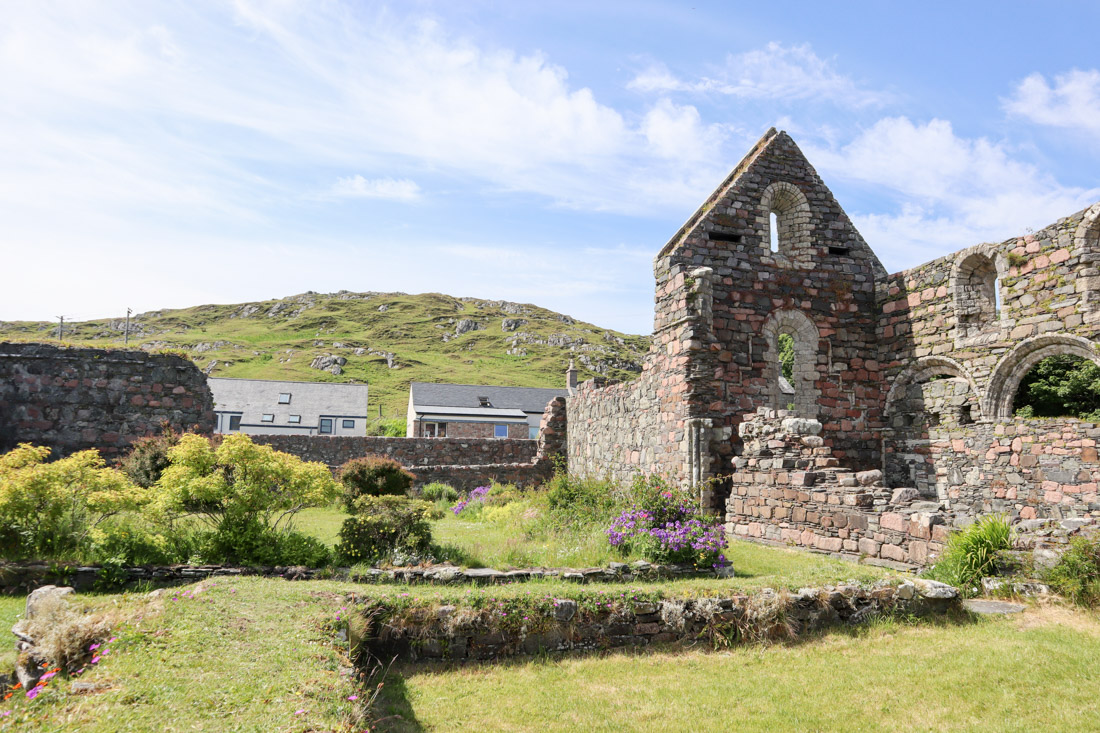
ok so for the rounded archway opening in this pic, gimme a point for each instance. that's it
(1060, 385)
(791, 368)
(925, 405)
(1004, 384)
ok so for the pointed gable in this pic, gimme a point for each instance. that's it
(774, 193)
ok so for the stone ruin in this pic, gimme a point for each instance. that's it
(896, 423)
(900, 424)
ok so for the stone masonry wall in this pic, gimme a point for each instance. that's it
(941, 319)
(75, 398)
(1031, 469)
(789, 488)
(657, 422)
(819, 287)
(465, 463)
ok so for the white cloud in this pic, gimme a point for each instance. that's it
(390, 189)
(956, 191)
(677, 132)
(791, 73)
(1073, 102)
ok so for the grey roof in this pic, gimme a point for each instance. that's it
(528, 399)
(254, 397)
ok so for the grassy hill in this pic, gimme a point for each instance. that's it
(385, 339)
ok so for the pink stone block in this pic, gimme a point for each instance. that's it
(892, 520)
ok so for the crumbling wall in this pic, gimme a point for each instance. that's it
(789, 488)
(818, 286)
(77, 398)
(942, 318)
(657, 423)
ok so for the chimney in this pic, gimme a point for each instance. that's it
(571, 377)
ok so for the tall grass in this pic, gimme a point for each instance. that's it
(971, 553)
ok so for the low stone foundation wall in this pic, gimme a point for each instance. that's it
(21, 578)
(464, 463)
(562, 625)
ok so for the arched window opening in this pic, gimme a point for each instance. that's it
(977, 294)
(786, 369)
(1063, 385)
(784, 220)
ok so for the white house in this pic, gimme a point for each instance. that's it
(263, 406)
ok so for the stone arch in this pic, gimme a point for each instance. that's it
(1014, 365)
(974, 281)
(792, 212)
(918, 408)
(922, 370)
(806, 350)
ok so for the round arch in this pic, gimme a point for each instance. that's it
(974, 278)
(1015, 365)
(806, 348)
(921, 370)
(792, 213)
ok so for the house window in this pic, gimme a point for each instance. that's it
(435, 430)
(532, 432)
(484, 401)
(284, 398)
(326, 426)
(500, 431)
(234, 422)
(348, 424)
(267, 417)
(294, 419)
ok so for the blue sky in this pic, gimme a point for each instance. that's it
(160, 154)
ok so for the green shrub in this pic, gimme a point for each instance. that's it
(1077, 574)
(148, 457)
(437, 491)
(373, 476)
(382, 525)
(248, 541)
(49, 509)
(575, 499)
(971, 554)
(135, 540)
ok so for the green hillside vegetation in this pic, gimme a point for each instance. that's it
(387, 339)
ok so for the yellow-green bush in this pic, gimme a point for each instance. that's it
(48, 509)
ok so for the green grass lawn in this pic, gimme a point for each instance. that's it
(490, 544)
(1036, 672)
(247, 654)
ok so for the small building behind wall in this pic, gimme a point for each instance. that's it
(476, 411)
(272, 407)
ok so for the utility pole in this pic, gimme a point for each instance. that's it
(60, 328)
(126, 336)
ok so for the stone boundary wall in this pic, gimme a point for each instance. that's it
(450, 633)
(464, 463)
(73, 399)
(17, 578)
